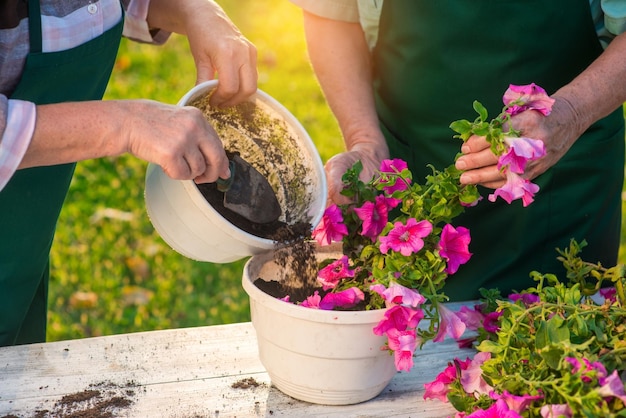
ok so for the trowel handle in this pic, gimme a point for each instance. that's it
(223, 185)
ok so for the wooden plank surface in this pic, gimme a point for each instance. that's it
(187, 373)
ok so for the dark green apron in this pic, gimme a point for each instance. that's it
(31, 202)
(433, 58)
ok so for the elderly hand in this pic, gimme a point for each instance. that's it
(559, 130)
(340, 163)
(217, 46)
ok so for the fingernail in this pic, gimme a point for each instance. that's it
(465, 149)
(465, 179)
(461, 165)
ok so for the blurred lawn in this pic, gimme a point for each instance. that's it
(111, 272)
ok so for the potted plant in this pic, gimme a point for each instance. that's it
(397, 246)
(554, 350)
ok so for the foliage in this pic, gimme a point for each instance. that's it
(552, 347)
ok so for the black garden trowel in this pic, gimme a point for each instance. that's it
(248, 193)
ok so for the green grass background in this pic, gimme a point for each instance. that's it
(111, 272)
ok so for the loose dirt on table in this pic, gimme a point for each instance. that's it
(101, 400)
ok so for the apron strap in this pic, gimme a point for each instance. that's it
(34, 26)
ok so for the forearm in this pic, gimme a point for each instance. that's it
(75, 131)
(341, 60)
(174, 16)
(598, 90)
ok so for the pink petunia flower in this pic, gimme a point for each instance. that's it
(375, 215)
(520, 151)
(527, 97)
(333, 273)
(398, 294)
(472, 378)
(516, 403)
(403, 344)
(497, 410)
(406, 239)
(313, 301)
(394, 166)
(345, 299)
(449, 324)
(438, 388)
(331, 228)
(556, 411)
(398, 317)
(454, 247)
(526, 298)
(609, 294)
(612, 386)
(491, 324)
(472, 318)
(515, 188)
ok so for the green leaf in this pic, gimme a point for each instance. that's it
(552, 331)
(480, 109)
(490, 347)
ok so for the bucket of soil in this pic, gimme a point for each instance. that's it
(319, 356)
(192, 218)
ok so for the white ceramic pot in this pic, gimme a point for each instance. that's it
(323, 357)
(282, 151)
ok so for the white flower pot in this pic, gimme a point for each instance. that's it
(290, 162)
(323, 357)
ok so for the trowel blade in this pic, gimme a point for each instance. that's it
(250, 194)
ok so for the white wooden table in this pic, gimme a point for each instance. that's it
(187, 373)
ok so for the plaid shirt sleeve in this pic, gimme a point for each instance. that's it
(16, 131)
(136, 23)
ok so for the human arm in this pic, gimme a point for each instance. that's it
(177, 138)
(341, 59)
(594, 94)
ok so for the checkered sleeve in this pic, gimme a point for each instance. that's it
(17, 124)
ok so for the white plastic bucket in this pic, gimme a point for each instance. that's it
(191, 226)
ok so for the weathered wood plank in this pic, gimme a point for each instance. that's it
(191, 373)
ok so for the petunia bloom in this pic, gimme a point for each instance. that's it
(313, 301)
(345, 299)
(375, 215)
(398, 317)
(449, 324)
(333, 273)
(331, 227)
(612, 386)
(454, 247)
(526, 298)
(406, 239)
(527, 97)
(497, 410)
(515, 188)
(520, 151)
(472, 318)
(438, 389)
(398, 294)
(516, 403)
(394, 166)
(556, 411)
(403, 344)
(472, 378)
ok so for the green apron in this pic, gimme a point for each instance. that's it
(31, 202)
(433, 58)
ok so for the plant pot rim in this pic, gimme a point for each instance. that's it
(252, 270)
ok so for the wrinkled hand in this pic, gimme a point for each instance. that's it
(559, 130)
(340, 163)
(179, 139)
(219, 48)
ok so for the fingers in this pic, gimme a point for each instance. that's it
(479, 164)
